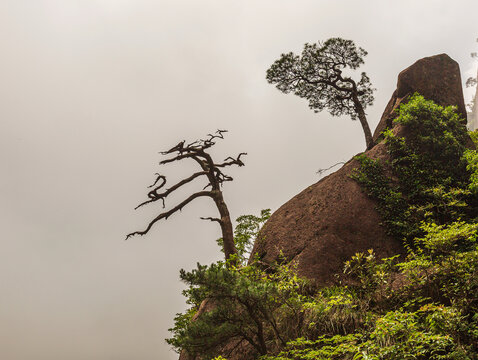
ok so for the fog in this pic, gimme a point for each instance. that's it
(92, 90)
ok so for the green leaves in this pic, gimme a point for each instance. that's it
(442, 240)
(318, 76)
(245, 234)
(391, 202)
(471, 157)
(428, 175)
(243, 304)
(404, 335)
(431, 315)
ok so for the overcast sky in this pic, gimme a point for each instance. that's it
(91, 90)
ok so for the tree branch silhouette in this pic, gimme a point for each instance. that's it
(211, 170)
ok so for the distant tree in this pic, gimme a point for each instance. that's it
(317, 75)
(471, 81)
(210, 170)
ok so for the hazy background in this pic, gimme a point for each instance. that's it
(91, 90)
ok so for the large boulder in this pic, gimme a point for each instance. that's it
(436, 77)
(325, 225)
(331, 220)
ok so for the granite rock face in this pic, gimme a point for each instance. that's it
(436, 77)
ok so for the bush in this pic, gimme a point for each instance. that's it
(245, 234)
(431, 165)
(247, 304)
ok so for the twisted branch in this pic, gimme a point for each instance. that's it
(209, 169)
(232, 161)
(167, 214)
(154, 196)
(211, 219)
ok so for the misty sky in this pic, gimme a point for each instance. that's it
(91, 90)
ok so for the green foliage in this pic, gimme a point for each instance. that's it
(433, 315)
(429, 170)
(373, 275)
(245, 234)
(474, 136)
(471, 157)
(334, 311)
(423, 306)
(391, 203)
(444, 265)
(316, 75)
(397, 335)
(442, 240)
(413, 335)
(244, 304)
(432, 152)
(323, 348)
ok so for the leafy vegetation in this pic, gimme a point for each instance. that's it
(420, 306)
(430, 170)
(245, 304)
(245, 234)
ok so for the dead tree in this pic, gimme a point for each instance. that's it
(197, 151)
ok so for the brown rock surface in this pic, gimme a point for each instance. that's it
(325, 225)
(436, 77)
(330, 221)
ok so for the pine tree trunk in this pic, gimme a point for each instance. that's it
(363, 121)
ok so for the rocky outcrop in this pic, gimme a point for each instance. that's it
(330, 221)
(436, 77)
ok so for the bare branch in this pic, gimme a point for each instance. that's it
(231, 161)
(150, 201)
(159, 177)
(177, 158)
(197, 151)
(211, 219)
(154, 196)
(167, 214)
(321, 171)
(220, 176)
(207, 143)
(179, 148)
